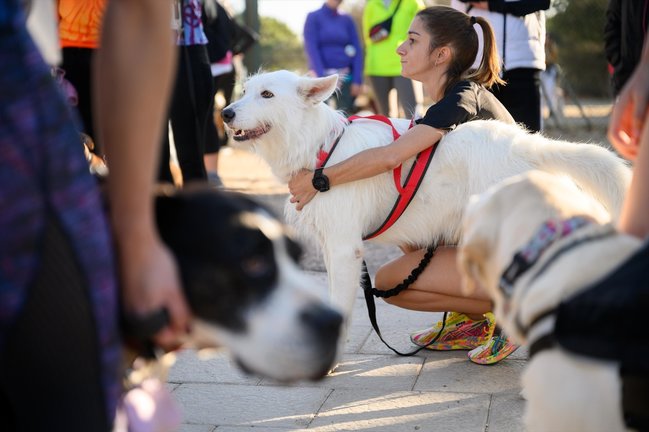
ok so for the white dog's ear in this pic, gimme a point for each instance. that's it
(316, 90)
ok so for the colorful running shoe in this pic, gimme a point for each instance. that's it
(460, 333)
(497, 348)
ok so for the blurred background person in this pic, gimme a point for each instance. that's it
(519, 26)
(79, 34)
(388, 20)
(550, 78)
(220, 32)
(192, 100)
(332, 47)
(624, 32)
(226, 39)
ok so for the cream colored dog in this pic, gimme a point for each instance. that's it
(564, 391)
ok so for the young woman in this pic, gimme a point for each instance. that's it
(441, 47)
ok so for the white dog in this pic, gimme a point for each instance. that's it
(283, 117)
(564, 391)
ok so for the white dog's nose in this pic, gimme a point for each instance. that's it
(227, 115)
(323, 321)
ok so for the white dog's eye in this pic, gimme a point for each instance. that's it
(267, 95)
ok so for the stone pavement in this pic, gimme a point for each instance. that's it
(372, 389)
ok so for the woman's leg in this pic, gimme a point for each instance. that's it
(77, 63)
(381, 86)
(438, 287)
(406, 95)
(190, 108)
(522, 96)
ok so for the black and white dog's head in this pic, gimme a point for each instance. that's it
(242, 282)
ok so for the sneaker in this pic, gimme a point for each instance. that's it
(497, 348)
(460, 333)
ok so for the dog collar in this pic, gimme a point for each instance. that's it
(550, 232)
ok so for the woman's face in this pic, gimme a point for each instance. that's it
(333, 4)
(416, 59)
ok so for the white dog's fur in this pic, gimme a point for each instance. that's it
(564, 391)
(283, 117)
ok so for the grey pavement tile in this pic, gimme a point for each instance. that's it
(371, 372)
(356, 337)
(189, 367)
(522, 353)
(452, 371)
(395, 325)
(240, 405)
(506, 413)
(196, 428)
(253, 429)
(389, 411)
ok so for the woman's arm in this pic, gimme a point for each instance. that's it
(367, 163)
(130, 105)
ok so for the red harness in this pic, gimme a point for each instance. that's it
(407, 190)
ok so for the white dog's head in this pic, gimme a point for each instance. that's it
(282, 114)
(499, 222)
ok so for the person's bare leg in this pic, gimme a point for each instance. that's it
(211, 162)
(438, 287)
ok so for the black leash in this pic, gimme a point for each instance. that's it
(370, 292)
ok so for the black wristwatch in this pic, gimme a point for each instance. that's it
(320, 181)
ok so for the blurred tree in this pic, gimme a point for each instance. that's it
(578, 26)
(280, 47)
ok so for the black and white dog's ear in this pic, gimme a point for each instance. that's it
(316, 90)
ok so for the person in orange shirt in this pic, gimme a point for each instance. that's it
(79, 34)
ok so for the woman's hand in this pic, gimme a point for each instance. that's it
(629, 114)
(150, 282)
(301, 188)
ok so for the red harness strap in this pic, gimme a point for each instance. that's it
(323, 156)
(412, 182)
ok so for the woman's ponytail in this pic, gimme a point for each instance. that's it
(488, 73)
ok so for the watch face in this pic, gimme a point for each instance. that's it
(321, 182)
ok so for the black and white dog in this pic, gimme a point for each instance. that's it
(239, 271)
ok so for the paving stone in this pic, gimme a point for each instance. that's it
(395, 325)
(253, 429)
(506, 413)
(452, 371)
(238, 405)
(219, 368)
(197, 428)
(370, 372)
(390, 411)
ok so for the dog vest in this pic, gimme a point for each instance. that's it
(606, 321)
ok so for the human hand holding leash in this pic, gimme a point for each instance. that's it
(150, 285)
(301, 188)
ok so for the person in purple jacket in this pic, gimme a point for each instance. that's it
(332, 46)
